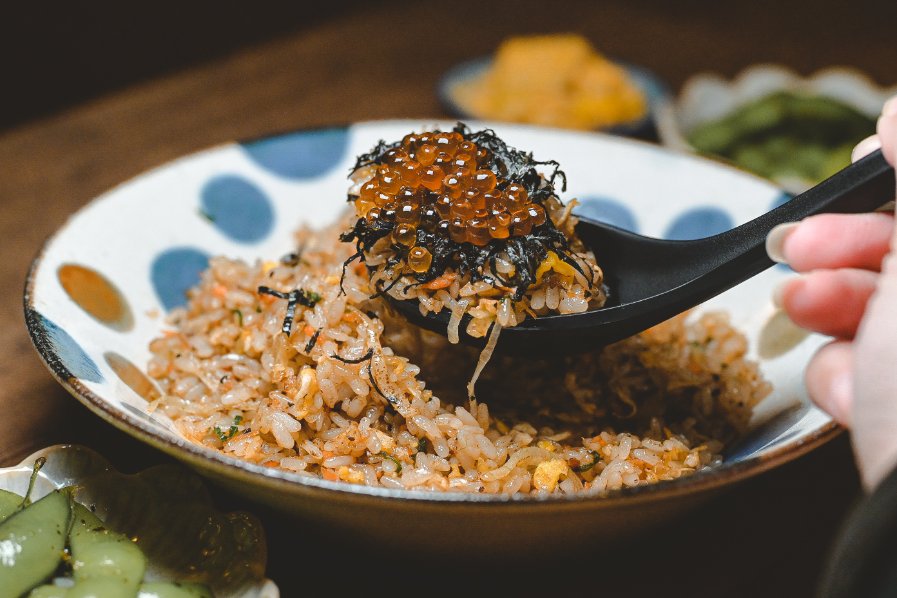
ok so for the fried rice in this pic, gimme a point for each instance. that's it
(343, 389)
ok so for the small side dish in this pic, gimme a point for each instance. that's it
(556, 80)
(57, 536)
(769, 120)
(786, 135)
(95, 532)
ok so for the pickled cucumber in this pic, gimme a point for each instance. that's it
(31, 543)
(103, 563)
(49, 591)
(9, 502)
(98, 552)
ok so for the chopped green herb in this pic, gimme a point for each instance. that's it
(224, 436)
(239, 315)
(587, 466)
(398, 463)
(422, 445)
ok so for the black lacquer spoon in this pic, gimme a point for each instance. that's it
(650, 280)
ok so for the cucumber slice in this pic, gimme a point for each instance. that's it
(9, 503)
(99, 553)
(101, 588)
(49, 591)
(31, 542)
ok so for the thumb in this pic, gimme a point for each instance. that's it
(875, 352)
(887, 130)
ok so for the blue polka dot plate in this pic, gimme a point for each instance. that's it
(98, 292)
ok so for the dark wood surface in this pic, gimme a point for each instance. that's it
(766, 537)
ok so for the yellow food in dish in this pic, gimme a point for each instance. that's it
(556, 80)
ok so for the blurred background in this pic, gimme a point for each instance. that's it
(95, 93)
(57, 55)
(280, 65)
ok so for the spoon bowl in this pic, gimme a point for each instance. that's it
(650, 280)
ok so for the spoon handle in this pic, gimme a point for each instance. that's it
(861, 187)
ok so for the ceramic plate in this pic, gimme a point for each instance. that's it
(653, 89)
(98, 293)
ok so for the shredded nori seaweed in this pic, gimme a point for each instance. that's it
(389, 398)
(526, 252)
(294, 298)
(361, 359)
(312, 341)
(293, 258)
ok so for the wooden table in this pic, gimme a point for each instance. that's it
(767, 538)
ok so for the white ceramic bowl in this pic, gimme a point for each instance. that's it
(146, 240)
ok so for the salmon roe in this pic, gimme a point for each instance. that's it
(442, 183)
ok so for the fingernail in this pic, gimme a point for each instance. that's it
(890, 107)
(865, 147)
(888, 207)
(775, 241)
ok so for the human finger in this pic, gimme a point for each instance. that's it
(829, 380)
(865, 147)
(887, 130)
(875, 382)
(832, 241)
(830, 302)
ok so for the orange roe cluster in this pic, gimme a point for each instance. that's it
(442, 183)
